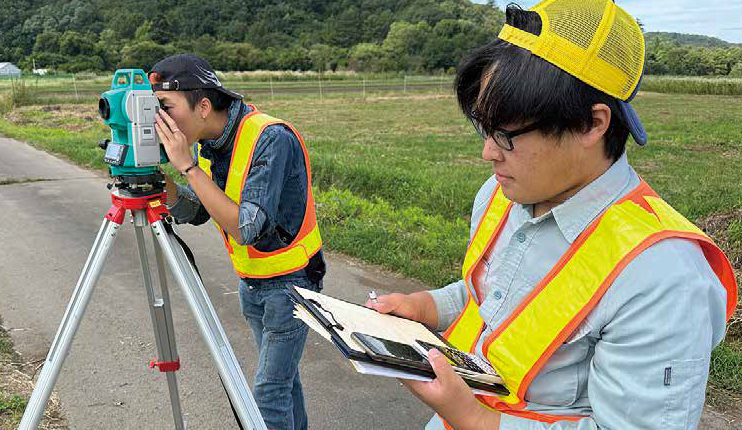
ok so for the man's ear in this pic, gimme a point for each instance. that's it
(205, 107)
(601, 120)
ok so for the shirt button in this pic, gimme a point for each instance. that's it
(498, 295)
(521, 237)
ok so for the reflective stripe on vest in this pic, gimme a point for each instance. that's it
(576, 283)
(248, 262)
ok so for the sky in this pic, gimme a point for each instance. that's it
(722, 19)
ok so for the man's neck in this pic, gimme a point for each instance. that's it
(545, 206)
(215, 125)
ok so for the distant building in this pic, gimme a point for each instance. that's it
(8, 70)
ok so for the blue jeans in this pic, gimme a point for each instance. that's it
(280, 338)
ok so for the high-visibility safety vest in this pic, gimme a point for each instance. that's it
(520, 346)
(248, 262)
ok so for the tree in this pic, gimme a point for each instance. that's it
(143, 55)
(161, 31)
(126, 24)
(325, 57)
(108, 48)
(235, 56)
(144, 32)
(73, 43)
(77, 15)
(47, 41)
(449, 42)
(368, 57)
(405, 43)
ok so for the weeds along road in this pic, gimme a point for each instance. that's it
(51, 212)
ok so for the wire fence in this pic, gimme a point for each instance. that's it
(70, 89)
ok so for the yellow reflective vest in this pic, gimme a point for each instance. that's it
(520, 346)
(248, 262)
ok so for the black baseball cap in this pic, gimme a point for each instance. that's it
(183, 72)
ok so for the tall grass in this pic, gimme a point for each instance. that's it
(19, 95)
(693, 85)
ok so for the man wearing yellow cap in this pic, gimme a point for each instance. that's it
(596, 302)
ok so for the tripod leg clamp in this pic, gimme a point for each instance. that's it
(165, 366)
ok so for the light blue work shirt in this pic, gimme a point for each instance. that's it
(640, 359)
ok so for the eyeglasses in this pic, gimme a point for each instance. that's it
(504, 138)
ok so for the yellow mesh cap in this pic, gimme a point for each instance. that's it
(593, 40)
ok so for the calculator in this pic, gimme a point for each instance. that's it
(460, 359)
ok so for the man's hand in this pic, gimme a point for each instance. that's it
(417, 307)
(178, 148)
(451, 398)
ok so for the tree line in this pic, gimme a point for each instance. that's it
(692, 55)
(371, 36)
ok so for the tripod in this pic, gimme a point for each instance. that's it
(147, 209)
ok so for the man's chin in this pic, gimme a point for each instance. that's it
(513, 195)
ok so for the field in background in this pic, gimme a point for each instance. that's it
(395, 174)
(86, 88)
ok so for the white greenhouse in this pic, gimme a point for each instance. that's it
(9, 70)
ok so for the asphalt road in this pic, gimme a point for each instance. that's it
(50, 212)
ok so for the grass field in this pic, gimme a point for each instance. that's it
(395, 175)
(86, 88)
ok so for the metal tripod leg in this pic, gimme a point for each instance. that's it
(162, 320)
(211, 329)
(70, 323)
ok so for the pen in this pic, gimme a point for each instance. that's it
(372, 296)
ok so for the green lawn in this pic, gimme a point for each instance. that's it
(395, 175)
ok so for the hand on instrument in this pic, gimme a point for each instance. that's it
(178, 149)
(451, 398)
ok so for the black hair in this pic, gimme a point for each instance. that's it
(218, 99)
(525, 88)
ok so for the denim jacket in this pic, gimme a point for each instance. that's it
(274, 197)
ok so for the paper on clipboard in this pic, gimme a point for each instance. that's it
(355, 318)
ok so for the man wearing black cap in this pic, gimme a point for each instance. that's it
(250, 174)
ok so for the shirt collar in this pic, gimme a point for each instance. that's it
(574, 215)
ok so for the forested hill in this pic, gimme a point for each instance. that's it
(692, 54)
(371, 35)
(269, 34)
(686, 39)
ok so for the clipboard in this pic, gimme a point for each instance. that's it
(339, 319)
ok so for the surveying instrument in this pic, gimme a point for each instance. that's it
(134, 154)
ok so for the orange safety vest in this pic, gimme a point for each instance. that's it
(520, 346)
(248, 262)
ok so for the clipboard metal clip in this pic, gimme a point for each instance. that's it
(335, 323)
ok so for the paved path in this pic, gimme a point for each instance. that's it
(46, 231)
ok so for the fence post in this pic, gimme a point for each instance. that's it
(364, 88)
(405, 84)
(74, 82)
(271, 80)
(319, 75)
(440, 89)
